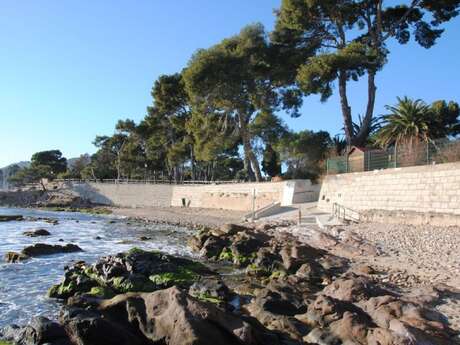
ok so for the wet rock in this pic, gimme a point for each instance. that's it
(210, 290)
(13, 257)
(39, 331)
(10, 218)
(132, 271)
(144, 238)
(40, 249)
(213, 247)
(37, 233)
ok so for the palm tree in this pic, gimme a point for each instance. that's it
(407, 123)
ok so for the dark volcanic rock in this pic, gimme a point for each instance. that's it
(13, 257)
(10, 218)
(39, 331)
(36, 233)
(40, 249)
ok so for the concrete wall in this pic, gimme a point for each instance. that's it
(235, 196)
(433, 188)
(126, 195)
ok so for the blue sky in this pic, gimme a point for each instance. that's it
(70, 69)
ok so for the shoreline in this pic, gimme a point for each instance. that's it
(363, 252)
(181, 216)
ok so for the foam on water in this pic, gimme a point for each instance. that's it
(23, 286)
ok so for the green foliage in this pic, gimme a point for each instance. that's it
(444, 119)
(232, 80)
(45, 164)
(322, 70)
(271, 163)
(52, 159)
(339, 41)
(303, 153)
(32, 174)
(413, 121)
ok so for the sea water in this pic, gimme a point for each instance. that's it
(23, 286)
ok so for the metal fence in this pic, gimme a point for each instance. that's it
(157, 181)
(433, 152)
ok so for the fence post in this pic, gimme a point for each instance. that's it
(427, 152)
(253, 204)
(395, 155)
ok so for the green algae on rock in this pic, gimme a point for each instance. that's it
(133, 271)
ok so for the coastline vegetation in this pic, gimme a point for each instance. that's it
(220, 118)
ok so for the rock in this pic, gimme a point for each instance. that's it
(13, 257)
(353, 288)
(213, 247)
(244, 247)
(144, 238)
(362, 319)
(275, 307)
(210, 290)
(389, 312)
(170, 317)
(363, 269)
(39, 331)
(36, 233)
(232, 229)
(51, 221)
(10, 218)
(40, 249)
(133, 271)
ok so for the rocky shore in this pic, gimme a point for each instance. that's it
(60, 200)
(266, 283)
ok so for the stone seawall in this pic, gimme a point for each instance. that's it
(234, 196)
(433, 188)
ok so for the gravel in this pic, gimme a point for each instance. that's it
(432, 252)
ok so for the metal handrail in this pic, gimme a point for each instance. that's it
(345, 213)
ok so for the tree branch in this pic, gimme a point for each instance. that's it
(414, 4)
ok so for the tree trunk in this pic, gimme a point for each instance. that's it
(248, 169)
(365, 129)
(346, 109)
(192, 160)
(248, 152)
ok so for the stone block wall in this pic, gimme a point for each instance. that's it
(232, 196)
(238, 196)
(433, 188)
